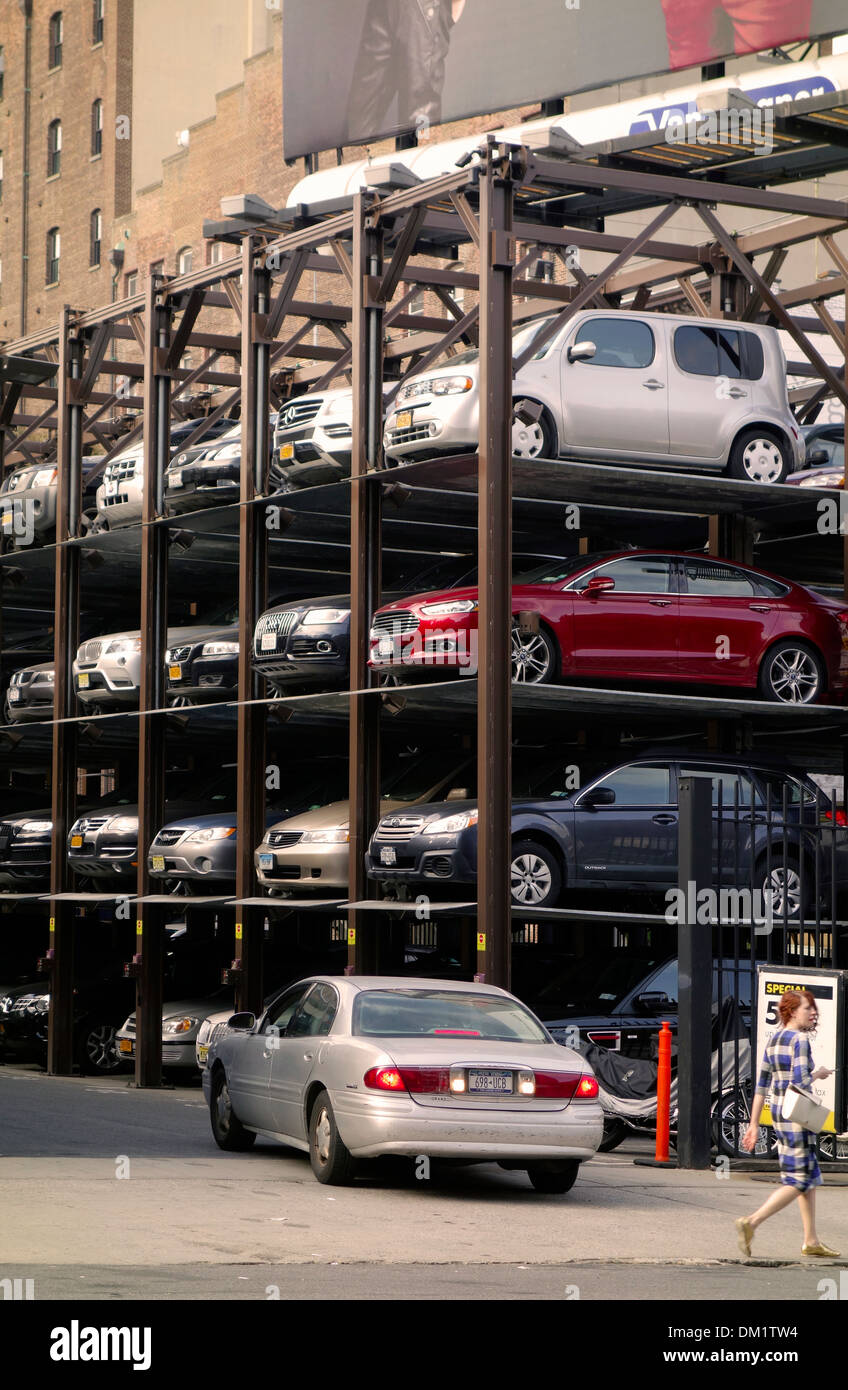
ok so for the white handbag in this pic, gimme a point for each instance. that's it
(801, 1109)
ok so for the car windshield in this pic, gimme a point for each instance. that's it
(415, 1013)
(520, 341)
(595, 984)
(412, 780)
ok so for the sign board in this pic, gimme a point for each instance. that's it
(827, 1042)
(360, 70)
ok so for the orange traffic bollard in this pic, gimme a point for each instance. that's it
(663, 1093)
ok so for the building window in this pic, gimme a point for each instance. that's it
(131, 284)
(54, 148)
(157, 268)
(54, 250)
(216, 253)
(185, 258)
(97, 127)
(97, 21)
(415, 306)
(54, 59)
(2, 70)
(95, 237)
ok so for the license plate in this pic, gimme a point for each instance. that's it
(404, 420)
(177, 478)
(125, 1045)
(6, 519)
(388, 855)
(266, 861)
(386, 646)
(158, 863)
(202, 1051)
(76, 842)
(286, 451)
(110, 489)
(490, 1082)
(269, 642)
(175, 673)
(83, 680)
(14, 696)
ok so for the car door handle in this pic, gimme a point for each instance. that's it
(760, 607)
(653, 385)
(307, 1056)
(660, 602)
(736, 393)
(665, 820)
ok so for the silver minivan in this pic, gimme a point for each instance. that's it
(660, 389)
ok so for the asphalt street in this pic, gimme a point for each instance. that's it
(108, 1192)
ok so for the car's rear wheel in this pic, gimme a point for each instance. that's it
(615, 1132)
(97, 1048)
(534, 657)
(331, 1161)
(792, 673)
(788, 899)
(758, 456)
(553, 1176)
(534, 874)
(228, 1131)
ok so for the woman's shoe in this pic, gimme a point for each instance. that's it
(819, 1249)
(744, 1234)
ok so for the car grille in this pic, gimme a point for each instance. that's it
(180, 653)
(29, 853)
(337, 431)
(118, 472)
(169, 837)
(299, 413)
(279, 839)
(89, 823)
(89, 651)
(281, 623)
(396, 621)
(408, 436)
(399, 828)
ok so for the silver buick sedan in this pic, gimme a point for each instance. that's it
(349, 1068)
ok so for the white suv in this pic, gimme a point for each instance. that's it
(657, 389)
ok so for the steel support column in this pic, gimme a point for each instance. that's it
(253, 598)
(151, 727)
(65, 642)
(494, 683)
(694, 951)
(365, 569)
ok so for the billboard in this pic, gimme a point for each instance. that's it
(360, 70)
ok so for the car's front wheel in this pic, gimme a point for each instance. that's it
(97, 1048)
(532, 440)
(792, 673)
(554, 1176)
(228, 1131)
(331, 1161)
(534, 657)
(534, 875)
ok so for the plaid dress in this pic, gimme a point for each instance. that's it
(788, 1058)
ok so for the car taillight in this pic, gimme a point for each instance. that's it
(418, 1079)
(384, 1079)
(842, 617)
(556, 1085)
(587, 1088)
(841, 818)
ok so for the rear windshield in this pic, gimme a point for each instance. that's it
(416, 1013)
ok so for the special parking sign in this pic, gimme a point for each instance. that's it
(827, 1041)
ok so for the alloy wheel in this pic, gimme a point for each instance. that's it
(531, 658)
(794, 676)
(785, 888)
(528, 441)
(530, 880)
(762, 461)
(100, 1048)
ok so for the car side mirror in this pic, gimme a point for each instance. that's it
(242, 1022)
(652, 1002)
(817, 458)
(599, 584)
(581, 352)
(600, 796)
(458, 794)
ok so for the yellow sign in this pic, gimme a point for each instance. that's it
(481, 941)
(52, 924)
(351, 936)
(239, 931)
(138, 926)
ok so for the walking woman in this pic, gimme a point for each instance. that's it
(787, 1058)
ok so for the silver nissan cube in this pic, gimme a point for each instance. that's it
(664, 390)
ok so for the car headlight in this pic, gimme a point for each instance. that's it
(443, 607)
(49, 676)
(814, 482)
(229, 451)
(449, 825)
(220, 649)
(181, 458)
(437, 386)
(179, 1024)
(339, 836)
(6, 1004)
(124, 823)
(343, 404)
(216, 832)
(36, 825)
(124, 644)
(39, 1004)
(44, 476)
(317, 617)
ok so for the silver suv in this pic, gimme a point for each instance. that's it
(658, 389)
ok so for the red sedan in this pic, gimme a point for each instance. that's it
(636, 615)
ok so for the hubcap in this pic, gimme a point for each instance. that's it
(100, 1047)
(323, 1136)
(762, 461)
(794, 677)
(528, 441)
(785, 885)
(734, 1121)
(530, 658)
(530, 879)
(223, 1110)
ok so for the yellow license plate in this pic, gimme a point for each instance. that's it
(202, 1052)
(124, 1045)
(404, 420)
(175, 673)
(6, 519)
(158, 863)
(286, 451)
(76, 842)
(83, 680)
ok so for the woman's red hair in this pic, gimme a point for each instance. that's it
(790, 1001)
